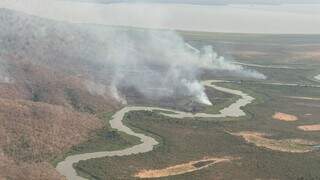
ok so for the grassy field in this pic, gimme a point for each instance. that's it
(192, 139)
(185, 141)
(188, 140)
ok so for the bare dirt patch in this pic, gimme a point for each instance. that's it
(283, 145)
(182, 168)
(284, 117)
(315, 127)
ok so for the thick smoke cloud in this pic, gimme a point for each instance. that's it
(210, 59)
(156, 63)
(161, 64)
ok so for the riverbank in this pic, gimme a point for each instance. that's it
(234, 110)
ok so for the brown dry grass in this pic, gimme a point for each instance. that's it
(181, 168)
(51, 86)
(285, 145)
(315, 127)
(44, 129)
(10, 169)
(46, 108)
(284, 117)
(32, 133)
(43, 113)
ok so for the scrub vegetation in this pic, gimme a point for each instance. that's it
(274, 149)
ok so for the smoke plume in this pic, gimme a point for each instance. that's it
(157, 63)
(161, 64)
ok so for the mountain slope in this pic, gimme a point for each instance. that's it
(48, 94)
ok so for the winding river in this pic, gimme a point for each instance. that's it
(287, 22)
(65, 167)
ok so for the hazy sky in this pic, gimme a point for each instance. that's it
(275, 19)
(207, 2)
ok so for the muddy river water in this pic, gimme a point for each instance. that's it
(147, 144)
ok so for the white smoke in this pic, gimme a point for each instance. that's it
(115, 93)
(95, 88)
(198, 90)
(156, 63)
(161, 64)
(210, 59)
(5, 79)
